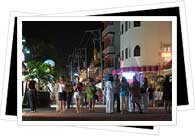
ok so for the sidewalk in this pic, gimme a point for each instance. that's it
(153, 114)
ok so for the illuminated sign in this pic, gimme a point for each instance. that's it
(166, 54)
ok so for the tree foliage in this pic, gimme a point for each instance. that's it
(43, 72)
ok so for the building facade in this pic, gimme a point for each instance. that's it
(145, 47)
(111, 46)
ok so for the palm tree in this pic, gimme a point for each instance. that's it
(43, 72)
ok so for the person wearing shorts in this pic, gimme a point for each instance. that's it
(77, 96)
(61, 94)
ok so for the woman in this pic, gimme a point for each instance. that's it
(151, 95)
(109, 95)
(61, 94)
(124, 90)
(77, 96)
(91, 91)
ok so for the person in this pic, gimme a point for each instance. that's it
(55, 90)
(116, 85)
(144, 94)
(69, 87)
(100, 95)
(62, 94)
(90, 96)
(167, 94)
(95, 97)
(124, 89)
(77, 96)
(109, 95)
(151, 95)
(32, 94)
(135, 92)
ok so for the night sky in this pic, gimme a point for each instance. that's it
(63, 35)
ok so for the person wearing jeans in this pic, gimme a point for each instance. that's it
(124, 89)
(116, 84)
(32, 94)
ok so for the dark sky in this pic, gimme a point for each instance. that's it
(64, 35)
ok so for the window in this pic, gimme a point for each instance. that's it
(122, 29)
(129, 25)
(126, 26)
(137, 50)
(137, 23)
(126, 53)
(122, 55)
(129, 52)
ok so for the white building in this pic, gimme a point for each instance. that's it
(145, 45)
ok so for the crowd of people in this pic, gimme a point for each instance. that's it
(83, 95)
(118, 93)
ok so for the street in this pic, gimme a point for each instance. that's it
(153, 114)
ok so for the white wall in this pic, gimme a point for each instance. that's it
(149, 37)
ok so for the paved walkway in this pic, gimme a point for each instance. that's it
(153, 114)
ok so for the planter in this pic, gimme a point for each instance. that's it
(43, 100)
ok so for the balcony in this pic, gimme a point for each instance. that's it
(108, 29)
(109, 50)
(108, 40)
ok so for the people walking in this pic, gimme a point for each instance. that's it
(135, 92)
(144, 94)
(69, 88)
(32, 94)
(109, 95)
(124, 90)
(62, 94)
(167, 94)
(116, 88)
(77, 96)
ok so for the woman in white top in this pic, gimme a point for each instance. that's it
(61, 94)
(109, 95)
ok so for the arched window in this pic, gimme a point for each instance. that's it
(137, 50)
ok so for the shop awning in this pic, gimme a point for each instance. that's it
(137, 69)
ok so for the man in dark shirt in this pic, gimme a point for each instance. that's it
(32, 94)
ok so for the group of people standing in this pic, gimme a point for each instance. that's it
(123, 94)
(116, 91)
(127, 96)
(83, 94)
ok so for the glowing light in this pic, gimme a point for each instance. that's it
(50, 62)
(166, 54)
(128, 75)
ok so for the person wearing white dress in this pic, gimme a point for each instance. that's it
(109, 95)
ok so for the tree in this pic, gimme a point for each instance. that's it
(43, 72)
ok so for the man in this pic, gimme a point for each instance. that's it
(69, 88)
(116, 86)
(32, 94)
(135, 91)
(144, 94)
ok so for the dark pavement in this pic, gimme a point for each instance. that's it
(153, 114)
